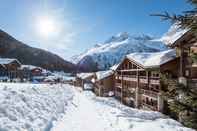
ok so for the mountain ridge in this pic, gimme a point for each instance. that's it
(13, 48)
(113, 50)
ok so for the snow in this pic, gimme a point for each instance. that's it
(7, 61)
(153, 59)
(114, 67)
(173, 34)
(86, 112)
(84, 75)
(103, 74)
(88, 86)
(31, 107)
(114, 50)
(61, 107)
(30, 67)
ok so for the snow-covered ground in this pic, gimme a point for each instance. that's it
(32, 107)
(86, 112)
(42, 107)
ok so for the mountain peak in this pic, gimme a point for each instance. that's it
(104, 55)
(118, 38)
(142, 37)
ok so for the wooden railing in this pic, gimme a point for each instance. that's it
(118, 85)
(151, 107)
(130, 77)
(143, 79)
(149, 93)
(154, 80)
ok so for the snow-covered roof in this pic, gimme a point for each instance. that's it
(148, 60)
(4, 61)
(173, 34)
(114, 67)
(84, 75)
(30, 67)
(103, 74)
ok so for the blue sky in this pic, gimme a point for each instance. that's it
(83, 23)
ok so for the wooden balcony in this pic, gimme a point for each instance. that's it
(149, 93)
(130, 78)
(143, 79)
(149, 107)
(118, 85)
(155, 80)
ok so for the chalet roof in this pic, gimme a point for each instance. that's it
(30, 67)
(84, 75)
(4, 61)
(114, 67)
(103, 74)
(173, 34)
(151, 60)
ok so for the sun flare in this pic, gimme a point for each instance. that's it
(47, 27)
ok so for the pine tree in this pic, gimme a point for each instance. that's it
(183, 99)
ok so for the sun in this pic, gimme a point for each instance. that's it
(46, 26)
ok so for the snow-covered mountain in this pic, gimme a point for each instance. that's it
(112, 51)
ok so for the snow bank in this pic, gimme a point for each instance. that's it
(152, 59)
(31, 107)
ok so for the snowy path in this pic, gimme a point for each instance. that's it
(89, 113)
(81, 115)
(44, 107)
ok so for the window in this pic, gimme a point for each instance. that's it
(154, 74)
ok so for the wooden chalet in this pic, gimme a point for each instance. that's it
(30, 72)
(138, 79)
(185, 43)
(82, 78)
(9, 68)
(103, 83)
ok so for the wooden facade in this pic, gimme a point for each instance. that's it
(83, 78)
(186, 46)
(30, 72)
(10, 68)
(104, 86)
(141, 87)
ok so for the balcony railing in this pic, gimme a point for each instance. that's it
(130, 77)
(154, 80)
(143, 79)
(149, 93)
(118, 85)
(147, 106)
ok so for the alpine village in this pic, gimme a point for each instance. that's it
(143, 82)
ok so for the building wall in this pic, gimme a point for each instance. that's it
(142, 88)
(104, 86)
